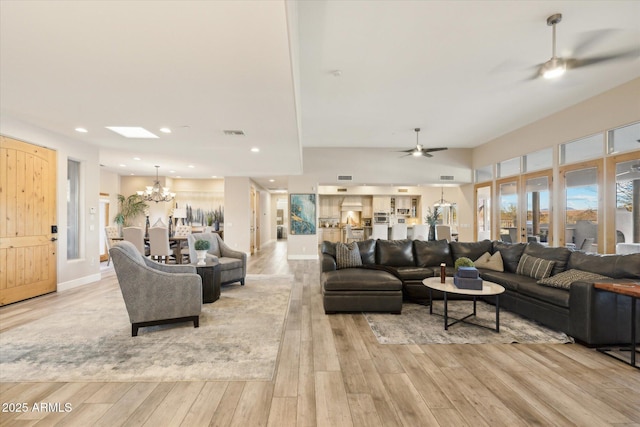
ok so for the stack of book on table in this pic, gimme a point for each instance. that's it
(468, 278)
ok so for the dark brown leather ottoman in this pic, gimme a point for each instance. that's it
(361, 289)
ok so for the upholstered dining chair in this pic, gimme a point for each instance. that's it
(443, 232)
(183, 246)
(421, 232)
(110, 232)
(155, 293)
(380, 231)
(135, 235)
(233, 264)
(398, 231)
(159, 247)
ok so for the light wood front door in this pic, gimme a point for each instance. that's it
(28, 206)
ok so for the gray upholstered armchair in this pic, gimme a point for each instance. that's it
(233, 264)
(155, 293)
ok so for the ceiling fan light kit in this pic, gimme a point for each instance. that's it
(419, 150)
(555, 67)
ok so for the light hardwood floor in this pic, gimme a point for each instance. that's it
(332, 372)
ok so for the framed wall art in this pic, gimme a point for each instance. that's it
(302, 214)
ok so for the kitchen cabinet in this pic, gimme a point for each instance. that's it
(331, 234)
(403, 202)
(367, 207)
(329, 206)
(381, 204)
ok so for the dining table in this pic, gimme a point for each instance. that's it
(174, 242)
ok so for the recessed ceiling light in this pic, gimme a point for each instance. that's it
(172, 171)
(123, 166)
(178, 176)
(137, 158)
(132, 131)
(214, 176)
(81, 130)
(165, 130)
(272, 180)
(191, 166)
(255, 150)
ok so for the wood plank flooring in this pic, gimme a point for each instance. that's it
(331, 371)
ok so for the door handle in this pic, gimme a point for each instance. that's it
(53, 239)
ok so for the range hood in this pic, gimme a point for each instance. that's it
(351, 204)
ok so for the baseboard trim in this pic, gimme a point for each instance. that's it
(65, 286)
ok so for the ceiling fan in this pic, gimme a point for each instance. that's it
(556, 66)
(419, 150)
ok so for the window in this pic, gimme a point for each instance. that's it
(624, 139)
(483, 212)
(581, 215)
(538, 196)
(484, 174)
(509, 167)
(538, 160)
(590, 147)
(73, 209)
(508, 200)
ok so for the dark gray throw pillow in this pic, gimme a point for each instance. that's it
(347, 256)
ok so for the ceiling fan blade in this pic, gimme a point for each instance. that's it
(588, 39)
(585, 62)
(424, 153)
(431, 150)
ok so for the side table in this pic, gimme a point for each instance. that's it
(631, 290)
(210, 274)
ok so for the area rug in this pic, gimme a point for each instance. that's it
(238, 339)
(416, 326)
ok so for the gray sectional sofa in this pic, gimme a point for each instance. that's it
(392, 271)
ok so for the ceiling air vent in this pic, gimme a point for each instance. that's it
(446, 177)
(345, 178)
(403, 190)
(341, 190)
(234, 132)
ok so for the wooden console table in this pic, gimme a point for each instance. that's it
(631, 290)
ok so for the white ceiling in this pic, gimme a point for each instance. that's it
(459, 70)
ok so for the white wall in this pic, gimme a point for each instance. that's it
(86, 269)
(237, 213)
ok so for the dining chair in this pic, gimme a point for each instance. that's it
(353, 235)
(159, 244)
(443, 232)
(135, 235)
(398, 231)
(380, 231)
(110, 232)
(182, 246)
(420, 232)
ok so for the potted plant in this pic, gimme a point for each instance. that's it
(432, 219)
(129, 208)
(201, 247)
(464, 262)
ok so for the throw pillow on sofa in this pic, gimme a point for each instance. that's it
(537, 268)
(490, 262)
(566, 278)
(347, 256)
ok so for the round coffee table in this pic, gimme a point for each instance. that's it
(488, 289)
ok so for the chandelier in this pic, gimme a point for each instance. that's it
(442, 202)
(156, 193)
